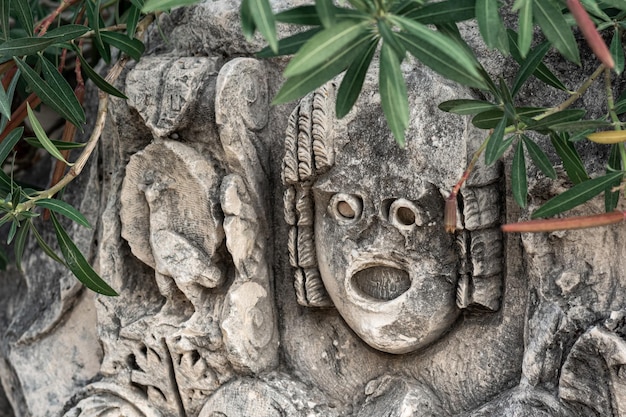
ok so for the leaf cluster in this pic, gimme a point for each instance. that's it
(345, 40)
(46, 53)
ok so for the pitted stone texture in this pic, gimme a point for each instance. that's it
(208, 321)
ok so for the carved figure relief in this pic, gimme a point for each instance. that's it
(366, 235)
(319, 281)
(199, 221)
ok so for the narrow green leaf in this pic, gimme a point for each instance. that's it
(440, 53)
(571, 159)
(620, 103)
(165, 5)
(617, 52)
(495, 142)
(530, 111)
(25, 46)
(5, 11)
(451, 30)
(12, 231)
(300, 85)
(95, 23)
(581, 125)
(59, 144)
(16, 197)
(466, 106)
(539, 158)
(507, 99)
(6, 218)
(529, 66)
(77, 262)
(61, 207)
(29, 46)
(389, 37)
(524, 24)
(67, 101)
(264, 20)
(248, 27)
(46, 248)
(365, 6)
(290, 45)
(577, 195)
(393, 94)
(549, 17)
(10, 92)
(444, 12)
(542, 72)
(324, 46)
(491, 26)
(5, 104)
(302, 15)
(66, 33)
(616, 3)
(43, 138)
(134, 13)
(7, 145)
(24, 15)
(20, 243)
(505, 144)
(134, 48)
(405, 7)
(45, 92)
(563, 116)
(593, 8)
(519, 184)
(577, 135)
(326, 12)
(488, 119)
(611, 198)
(100, 82)
(352, 82)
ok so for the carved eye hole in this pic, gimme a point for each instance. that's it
(345, 207)
(404, 214)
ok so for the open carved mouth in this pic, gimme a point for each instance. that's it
(382, 282)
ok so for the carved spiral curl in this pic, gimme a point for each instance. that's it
(321, 130)
(308, 153)
(290, 161)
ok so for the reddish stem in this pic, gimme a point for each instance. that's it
(43, 26)
(449, 217)
(69, 133)
(570, 223)
(19, 115)
(8, 69)
(590, 32)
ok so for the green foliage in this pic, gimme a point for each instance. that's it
(338, 39)
(35, 46)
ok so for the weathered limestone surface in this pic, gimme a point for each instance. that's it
(276, 261)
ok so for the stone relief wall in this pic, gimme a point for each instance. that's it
(276, 261)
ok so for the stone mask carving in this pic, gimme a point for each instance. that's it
(367, 230)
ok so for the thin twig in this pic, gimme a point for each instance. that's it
(45, 23)
(114, 28)
(103, 100)
(576, 95)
